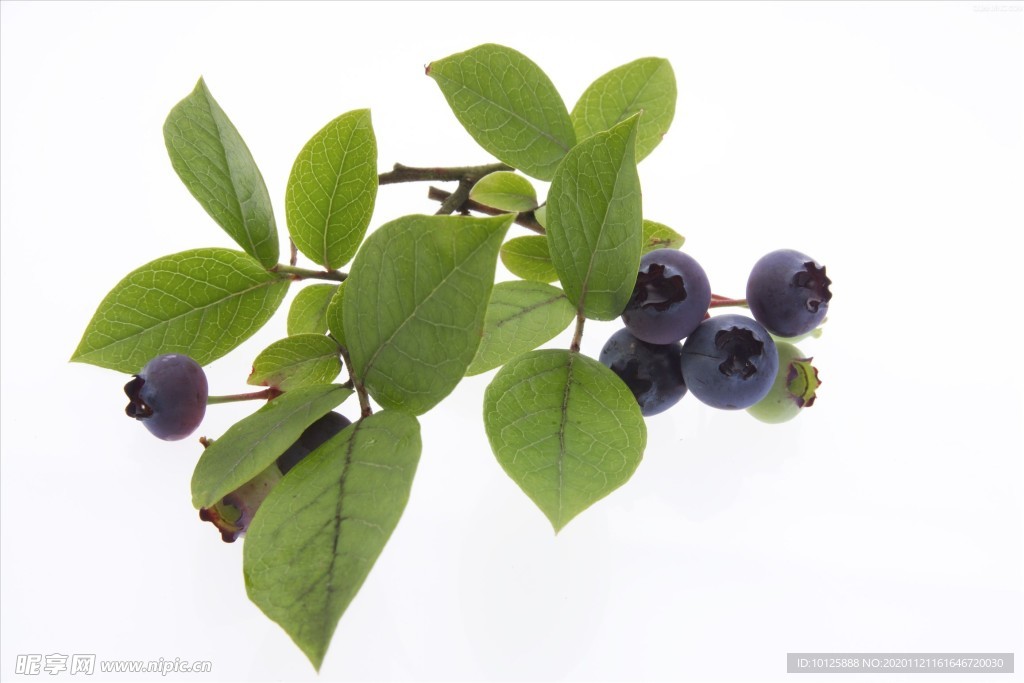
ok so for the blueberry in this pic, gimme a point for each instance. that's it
(234, 512)
(669, 299)
(168, 396)
(729, 362)
(788, 292)
(315, 435)
(651, 371)
(793, 389)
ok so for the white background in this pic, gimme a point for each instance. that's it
(884, 139)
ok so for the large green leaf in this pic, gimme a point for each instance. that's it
(210, 157)
(520, 317)
(296, 361)
(646, 85)
(528, 257)
(252, 444)
(565, 428)
(414, 305)
(595, 222)
(320, 531)
(201, 303)
(509, 106)
(506, 191)
(308, 312)
(332, 188)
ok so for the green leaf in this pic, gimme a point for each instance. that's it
(201, 303)
(332, 188)
(520, 317)
(210, 157)
(528, 257)
(335, 319)
(296, 361)
(308, 312)
(319, 532)
(565, 428)
(252, 444)
(506, 191)
(541, 215)
(659, 236)
(414, 305)
(647, 85)
(509, 106)
(594, 222)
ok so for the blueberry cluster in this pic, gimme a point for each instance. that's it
(726, 361)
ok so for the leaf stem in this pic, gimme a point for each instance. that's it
(265, 394)
(721, 301)
(577, 336)
(364, 399)
(307, 274)
(401, 173)
(456, 199)
(526, 219)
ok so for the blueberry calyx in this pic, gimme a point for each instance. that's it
(654, 290)
(740, 346)
(802, 382)
(813, 277)
(136, 408)
(233, 514)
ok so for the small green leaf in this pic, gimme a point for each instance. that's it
(308, 312)
(319, 532)
(521, 317)
(332, 188)
(335, 319)
(252, 444)
(541, 214)
(659, 236)
(565, 428)
(210, 157)
(414, 305)
(646, 85)
(201, 303)
(595, 222)
(509, 106)
(296, 361)
(528, 257)
(506, 191)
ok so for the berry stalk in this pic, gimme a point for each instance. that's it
(265, 394)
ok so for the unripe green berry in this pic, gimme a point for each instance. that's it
(794, 387)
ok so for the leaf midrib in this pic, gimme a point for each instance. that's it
(529, 309)
(368, 366)
(585, 284)
(529, 124)
(209, 498)
(211, 104)
(168, 321)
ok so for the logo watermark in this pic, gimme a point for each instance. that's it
(87, 665)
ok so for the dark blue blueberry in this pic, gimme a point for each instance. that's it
(651, 371)
(168, 396)
(730, 362)
(788, 292)
(669, 299)
(315, 435)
